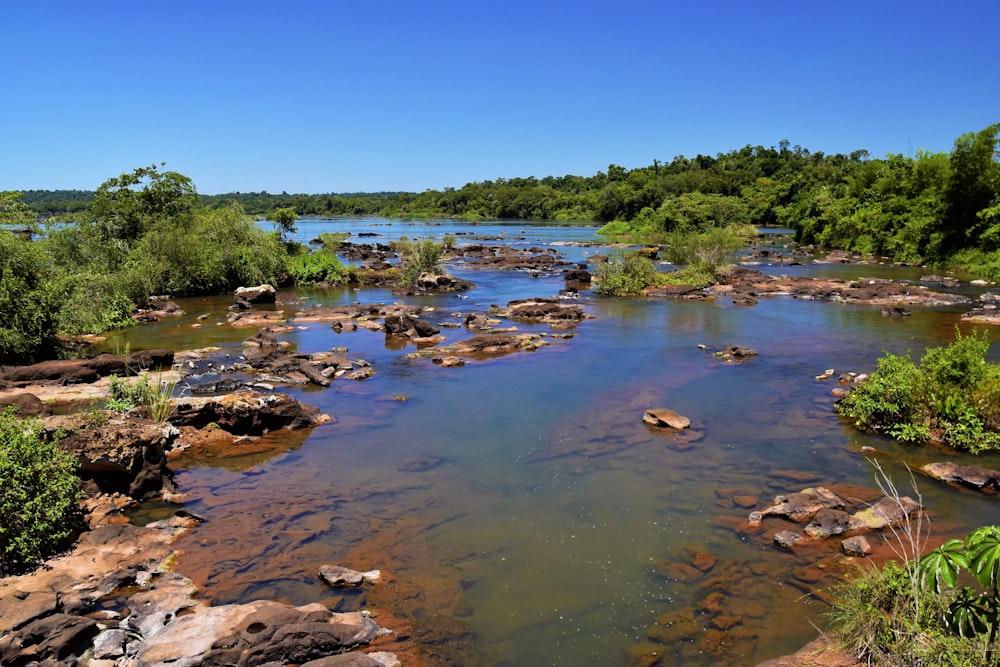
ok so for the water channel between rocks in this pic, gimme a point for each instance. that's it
(522, 511)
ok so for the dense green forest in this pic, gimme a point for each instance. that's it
(150, 231)
(933, 208)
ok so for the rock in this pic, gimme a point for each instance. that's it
(55, 637)
(856, 546)
(449, 362)
(110, 644)
(664, 418)
(822, 652)
(246, 298)
(804, 505)
(337, 575)
(433, 282)
(355, 659)
(74, 371)
(550, 311)
(409, 326)
(786, 539)
(976, 477)
(126, 455)
(827, 523)
(25, 404)
(895, 311)
(884, 513)
(20, 608)
(246, 412)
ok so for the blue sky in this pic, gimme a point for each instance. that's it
(369, 96)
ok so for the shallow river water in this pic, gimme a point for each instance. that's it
(522, 512)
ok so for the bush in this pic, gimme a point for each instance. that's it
(418, 256)
(953, 394)
(890, 398)
(27, 300)
(624, 274)
(877, 618)
(710, 248)
(39, 510)
(209, 251)
(320, 267)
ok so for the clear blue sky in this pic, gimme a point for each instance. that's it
(367, 96)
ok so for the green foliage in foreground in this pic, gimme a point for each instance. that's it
(953, 395)
(39, 511)
(882, 621)
(971, 613)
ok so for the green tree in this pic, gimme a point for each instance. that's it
(285, 218)
(27, 304)
(974, 185)
(125, 206)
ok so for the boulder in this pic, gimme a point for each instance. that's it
(337, 575)
(55, 637)
(409, 326)
(24, 404)
(123, 454)
(884, 513)
(246, 298)
(976, 477)
(787, 539)
(664, 418)
(827, 523)
(73, 371)
(804, 505)
(246, 412)
(857, 546)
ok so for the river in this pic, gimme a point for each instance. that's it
(523, 513)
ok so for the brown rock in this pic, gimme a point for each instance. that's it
(664, 418)
(976, 477)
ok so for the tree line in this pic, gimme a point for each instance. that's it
(934, 208)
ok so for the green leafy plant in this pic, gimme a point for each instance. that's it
(953, 395)
(39, 510)
(126, 395)
(418, 256)
(320, 267)
(972, 613)
(624, 274)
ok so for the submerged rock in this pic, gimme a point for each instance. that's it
(976, 477)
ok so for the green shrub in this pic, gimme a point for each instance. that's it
(953, 394)
(418, 256)
(710, 248)
(319, 267)
(890, 398)
(27, 300)
(624, 274)
(39, 510)
(331, 240)
(91, 302)
(125, 395)
(877, 617)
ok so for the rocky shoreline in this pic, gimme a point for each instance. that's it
(114, 601)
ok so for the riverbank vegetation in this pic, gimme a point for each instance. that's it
(915, 612)
(39, 513)
(952, 396)
(934, 208)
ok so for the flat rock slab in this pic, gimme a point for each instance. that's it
(976, 477)
(337, 575)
